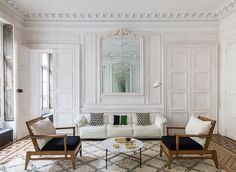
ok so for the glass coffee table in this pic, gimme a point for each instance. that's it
(113, 145)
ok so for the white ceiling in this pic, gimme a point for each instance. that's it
(139, 6)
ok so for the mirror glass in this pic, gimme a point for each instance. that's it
(120, 64)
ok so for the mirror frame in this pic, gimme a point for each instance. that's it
(120, 33)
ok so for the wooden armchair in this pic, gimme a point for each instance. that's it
(60, 144)
(183, 144)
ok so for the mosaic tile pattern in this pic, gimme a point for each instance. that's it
(93, 160)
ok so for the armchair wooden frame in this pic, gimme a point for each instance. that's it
(57, 155)
(205, 153)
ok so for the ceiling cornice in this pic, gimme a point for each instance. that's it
(191, 16)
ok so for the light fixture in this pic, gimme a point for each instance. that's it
(157, 84)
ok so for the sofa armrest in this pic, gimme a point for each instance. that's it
(161, 122)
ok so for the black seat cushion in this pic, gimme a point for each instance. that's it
(57, 144)
(185, 143)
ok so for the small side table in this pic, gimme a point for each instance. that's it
(6, 136)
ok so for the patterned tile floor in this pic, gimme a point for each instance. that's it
(12, 159)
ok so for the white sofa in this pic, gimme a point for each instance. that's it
(155, 130)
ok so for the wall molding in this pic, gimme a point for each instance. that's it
(159, 16)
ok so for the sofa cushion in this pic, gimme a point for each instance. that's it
(56, 144)
(93, 132)
(119, 130)
(152, 118)
(123, 120)
(111, 117)
(96, 119)
(143, 119)
(197, 126)
(184, 143)
(116, 119)
(43, 127)
(81, 121)
(105, 117)
(149, 131)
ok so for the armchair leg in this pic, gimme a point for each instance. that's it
(27, 160)
(214, 157)
(80, 152)
(73, 160)
(170, 159)
(160, 152)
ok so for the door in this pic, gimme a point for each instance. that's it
(230, 106)
(191, 82)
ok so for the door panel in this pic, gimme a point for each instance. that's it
(231, 92)
(190, 70)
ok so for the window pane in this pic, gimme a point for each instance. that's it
(45, 76)
(45, 59)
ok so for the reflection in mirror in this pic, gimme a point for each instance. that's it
(120, 64)
(121, 80)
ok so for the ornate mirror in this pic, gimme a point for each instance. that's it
(121, 63)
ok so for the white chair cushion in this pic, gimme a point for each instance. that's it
(150, 131)
(119, 130)
(93, 132)
(197, 126)
(43, 127)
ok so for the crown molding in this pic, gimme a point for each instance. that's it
(10, 15)
(227, 8)
(175, 16)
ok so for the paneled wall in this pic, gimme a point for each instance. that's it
(184, 60)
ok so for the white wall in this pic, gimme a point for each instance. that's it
(84, 87)
(227, 37)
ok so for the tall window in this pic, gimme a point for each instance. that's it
(8, 72)
(46, 82)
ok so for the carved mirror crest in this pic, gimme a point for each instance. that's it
(121, 62)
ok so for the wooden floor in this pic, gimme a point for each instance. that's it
(226, 151)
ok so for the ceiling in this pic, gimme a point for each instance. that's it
(113, 6)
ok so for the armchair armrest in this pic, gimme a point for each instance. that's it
(171, 128)
(161, 121)
(64, 128)
(64, 136)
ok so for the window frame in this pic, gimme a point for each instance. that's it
(49, 70)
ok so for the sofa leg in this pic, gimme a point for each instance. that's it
(160, 152)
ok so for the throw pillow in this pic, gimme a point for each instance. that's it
(96, 119)
(197, 126)
(43, 127)
(116, 119)
(123, 120)
(143, 119)
(81, 121)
